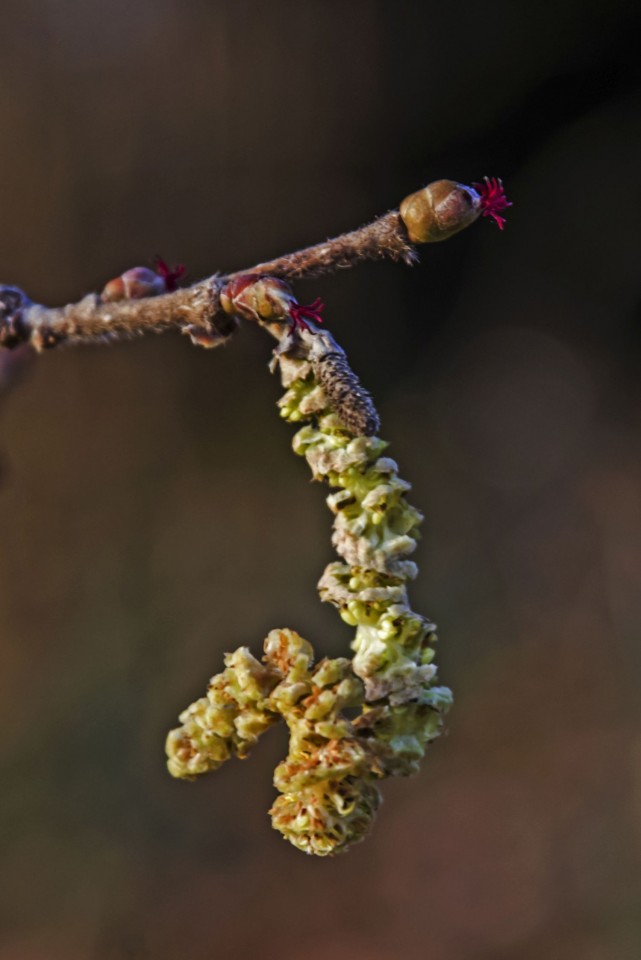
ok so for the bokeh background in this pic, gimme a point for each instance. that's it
(152, 515)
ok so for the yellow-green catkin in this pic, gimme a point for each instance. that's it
(375, 532)
(327, 784)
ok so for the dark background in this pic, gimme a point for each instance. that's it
(152, 516)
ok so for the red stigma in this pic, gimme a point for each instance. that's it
(171, 275)
(300, 314)
(493, 199)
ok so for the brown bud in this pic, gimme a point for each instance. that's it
(253, 296)
(439, 210)
(133, 285)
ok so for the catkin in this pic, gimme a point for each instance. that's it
(349, 400)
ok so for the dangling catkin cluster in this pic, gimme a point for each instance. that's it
(327, 783)
(375, 532)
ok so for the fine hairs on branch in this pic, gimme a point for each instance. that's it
(352, 721)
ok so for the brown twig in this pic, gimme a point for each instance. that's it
(195, 310)
(90, 319)
(433, 213)
(384, 237)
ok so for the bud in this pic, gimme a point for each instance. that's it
(439, 210)
(134, 284)
(256, 297)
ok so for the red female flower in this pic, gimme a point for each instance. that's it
(171, 275)
(493, 199)
(300, 314)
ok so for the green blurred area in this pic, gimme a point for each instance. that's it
(153, 517)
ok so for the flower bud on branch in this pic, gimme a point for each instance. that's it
(140, 282)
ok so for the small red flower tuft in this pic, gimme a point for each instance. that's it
(493, 199)
(300, 314)
(171, 275)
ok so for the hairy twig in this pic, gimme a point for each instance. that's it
(138, 306)
(384, 237)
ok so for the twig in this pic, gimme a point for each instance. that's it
(384, 237)
(434, 213)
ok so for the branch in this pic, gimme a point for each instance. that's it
(142, 301)
(351, 723)
(384, 237)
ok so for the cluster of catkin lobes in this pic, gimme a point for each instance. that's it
(375, 533)
(328, 782)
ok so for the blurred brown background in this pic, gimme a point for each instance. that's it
(152, 515)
